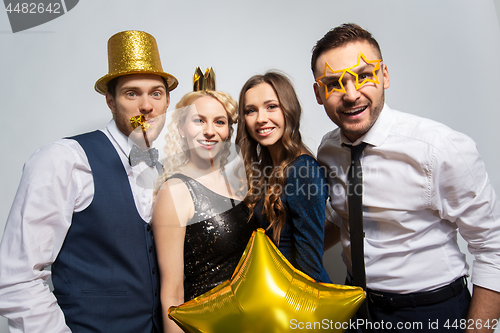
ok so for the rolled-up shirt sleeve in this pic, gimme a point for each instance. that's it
(56, 182)
(467, 198)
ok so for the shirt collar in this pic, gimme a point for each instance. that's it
(121, 139)
(379, 131)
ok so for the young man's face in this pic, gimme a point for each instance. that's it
(139, 94)
(355, 110)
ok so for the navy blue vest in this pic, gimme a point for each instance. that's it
(105, 276)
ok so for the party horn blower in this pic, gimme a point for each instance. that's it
(137, 121)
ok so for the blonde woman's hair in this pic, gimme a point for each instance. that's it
(176, 148)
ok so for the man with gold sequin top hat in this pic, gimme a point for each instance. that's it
(79, 210)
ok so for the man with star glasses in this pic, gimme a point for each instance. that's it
(422, 182)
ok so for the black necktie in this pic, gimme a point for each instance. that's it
(150, 157)
(355, 203)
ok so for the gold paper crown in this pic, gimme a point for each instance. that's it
(204, 81)
(133, 52)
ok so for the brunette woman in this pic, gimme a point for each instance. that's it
(287, 187)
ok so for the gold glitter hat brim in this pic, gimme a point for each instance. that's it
(133, 52)
(101, 86)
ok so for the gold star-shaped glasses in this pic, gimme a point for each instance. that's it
(366, 74)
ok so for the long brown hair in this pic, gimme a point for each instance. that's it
(265, 180)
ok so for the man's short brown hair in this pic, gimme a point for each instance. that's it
(339, 36)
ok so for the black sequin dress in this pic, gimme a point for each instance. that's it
(215, 239)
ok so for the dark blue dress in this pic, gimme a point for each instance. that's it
(304, 197)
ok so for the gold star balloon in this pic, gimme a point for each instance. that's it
(267, 294)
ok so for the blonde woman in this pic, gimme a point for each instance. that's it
(200, 226)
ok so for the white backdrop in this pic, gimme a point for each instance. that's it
(442, 57)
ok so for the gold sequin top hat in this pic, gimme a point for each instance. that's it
(133, 52)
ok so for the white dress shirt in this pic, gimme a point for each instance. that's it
(56, 182)
(421, 181)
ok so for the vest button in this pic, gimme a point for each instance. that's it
(154, 270)
(150, 249)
